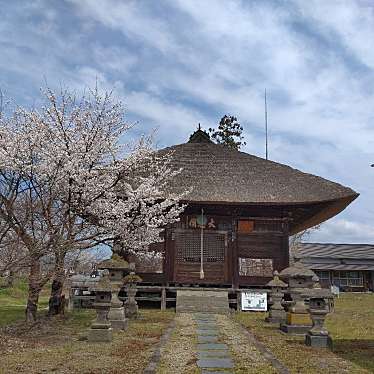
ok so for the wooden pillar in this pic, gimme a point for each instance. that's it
(163, 298)
(238, 301)
(168, 260)
(286, 243)
(235, 267)
(70, 300)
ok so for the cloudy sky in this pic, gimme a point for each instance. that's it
(175, 63)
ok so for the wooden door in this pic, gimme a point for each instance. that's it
(188, 256)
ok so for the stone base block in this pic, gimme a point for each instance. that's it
(276, 316)
(298, 319)
(101, 325)
(131, 310)
(119, 324)
(274, 319)
(100, 335)
(294, 329)
(318, 341)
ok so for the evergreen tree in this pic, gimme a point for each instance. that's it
(228, 133)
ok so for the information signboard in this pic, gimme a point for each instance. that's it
(255, 301)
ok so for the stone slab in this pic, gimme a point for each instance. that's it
(204, 320)
(202, 293)
(203, 315)
(207, 339)
(294, 329)
(118, 324)
(217, 353)
(216, 363)
(206, 326)
(276, 320)
(318, 341)
(100, 335)
(206, 332)
(211, 346)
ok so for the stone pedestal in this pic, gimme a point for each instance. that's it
(100, 335)
(318, 341)
(276, 316)
(131, 306)
(296, 323)
(300, 280)
(297, 318)
(276, 311)
(116, 313)
(318, 336)
(101, 330)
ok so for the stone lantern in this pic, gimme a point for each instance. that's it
(300, 279)
(319, 307)
(276, 311)
(117, 268)
(101, 330)
(131, 280)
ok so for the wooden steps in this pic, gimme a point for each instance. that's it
(192, 301)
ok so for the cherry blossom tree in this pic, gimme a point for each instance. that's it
(13, 257)
(68, 182)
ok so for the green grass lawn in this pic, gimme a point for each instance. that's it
(13, 301)
(351, 327)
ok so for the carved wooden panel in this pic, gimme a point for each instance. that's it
(255, 267)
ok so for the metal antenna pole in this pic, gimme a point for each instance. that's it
(202, 245)
(266, 128)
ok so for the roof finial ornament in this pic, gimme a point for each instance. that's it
(200, 136)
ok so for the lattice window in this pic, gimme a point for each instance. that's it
(188, 246)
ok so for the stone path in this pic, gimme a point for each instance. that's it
(212, 353)
(214, 344)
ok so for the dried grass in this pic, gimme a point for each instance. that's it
(245, 355)
(179, 354)
(54, 346)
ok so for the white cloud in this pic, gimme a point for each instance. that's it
(177, 63)
(344, 231)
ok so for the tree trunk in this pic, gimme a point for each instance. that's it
(34, 291)
(57, 299)
(10, 279)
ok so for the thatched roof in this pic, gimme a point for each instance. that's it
(220, 175)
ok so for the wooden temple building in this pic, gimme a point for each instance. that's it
(241, 210)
